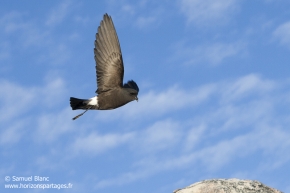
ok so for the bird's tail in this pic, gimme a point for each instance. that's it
(85, 104)
(76, 103)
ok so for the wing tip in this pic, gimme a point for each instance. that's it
(106, 15)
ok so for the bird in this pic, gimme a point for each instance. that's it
(111, 93)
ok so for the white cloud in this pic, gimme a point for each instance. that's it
(208, 12)
(207, 139)
(82, 19)
(159, 103)
(12, 22)
(15, 99)
(53, 92)
(142, 14)
(5, 51)
(162, 135)
(59, 55)
(228, 93)
(242, 102)
(22, 102)
(283, 33)
(214, 53)
(50, 126)
(29, 34)
(129, 9)
(124, 178)
(249, 84)
(254, 142)
(58, 14)
(194, 136)
(35, 36)
(145, 22)
(95, 143)
(218, 154)
(24, 33)
(13, 132)
(177, 141)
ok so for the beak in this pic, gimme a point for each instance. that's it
(136, 98)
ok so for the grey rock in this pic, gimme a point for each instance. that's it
(227, 186)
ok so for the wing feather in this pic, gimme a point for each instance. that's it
(108, 57)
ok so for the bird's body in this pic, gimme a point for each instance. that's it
(111, 92)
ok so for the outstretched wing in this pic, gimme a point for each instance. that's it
(108, 57)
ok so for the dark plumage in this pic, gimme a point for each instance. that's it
(111, 92)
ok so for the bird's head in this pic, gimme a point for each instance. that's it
(132, 89)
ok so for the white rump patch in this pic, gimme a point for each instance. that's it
(94, 101)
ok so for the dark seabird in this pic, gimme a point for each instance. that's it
(111, 92)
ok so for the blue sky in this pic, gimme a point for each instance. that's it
(213, 103)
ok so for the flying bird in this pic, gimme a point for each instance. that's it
(111, 92)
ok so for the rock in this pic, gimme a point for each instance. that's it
(227, 186)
